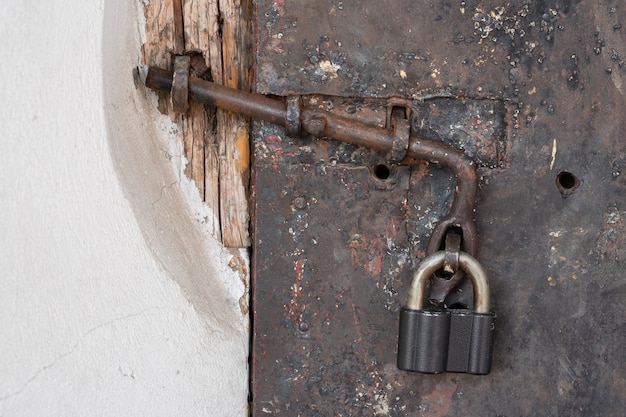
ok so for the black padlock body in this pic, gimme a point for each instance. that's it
(471, 341)
(481, 344)
(445, 341)
(423, 340)
(459, 340)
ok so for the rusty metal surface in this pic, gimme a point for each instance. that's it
(300, 116)
(336, 242)
(180, 83)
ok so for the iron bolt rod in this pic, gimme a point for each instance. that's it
(325, 124)
(216, 95)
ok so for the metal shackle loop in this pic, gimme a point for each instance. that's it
(432, 263)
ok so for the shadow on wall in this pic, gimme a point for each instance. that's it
(139, 141)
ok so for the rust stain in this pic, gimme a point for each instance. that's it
(438, 402)
(391, 231)
(274, 139)
(367, 252)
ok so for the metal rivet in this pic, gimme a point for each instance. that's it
(300, 203)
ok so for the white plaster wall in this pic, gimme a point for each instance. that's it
(113, 299)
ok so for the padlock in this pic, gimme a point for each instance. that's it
(442, 340)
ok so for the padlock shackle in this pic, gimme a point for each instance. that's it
(432, 263)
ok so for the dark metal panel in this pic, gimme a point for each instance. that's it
(335, 246)
(368, 48)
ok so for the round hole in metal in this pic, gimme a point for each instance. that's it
(382, 171)
(567, 182)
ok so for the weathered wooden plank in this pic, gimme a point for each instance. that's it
(216, 145)
(179, 35)
(212, 188)
(197, 20)
(215, 40)
(159, 16)
(233, 133)
(194, 130)
(234, 129)
(159, 43)
(213, 164)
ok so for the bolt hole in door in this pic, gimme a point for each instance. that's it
(567, 183)
(382, 172)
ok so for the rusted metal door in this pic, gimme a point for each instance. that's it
(533, 91)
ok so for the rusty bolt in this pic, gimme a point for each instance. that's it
(313, 123)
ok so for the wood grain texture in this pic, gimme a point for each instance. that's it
(215, 143)
(233, 129)
(179, 35)
(159, 44)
